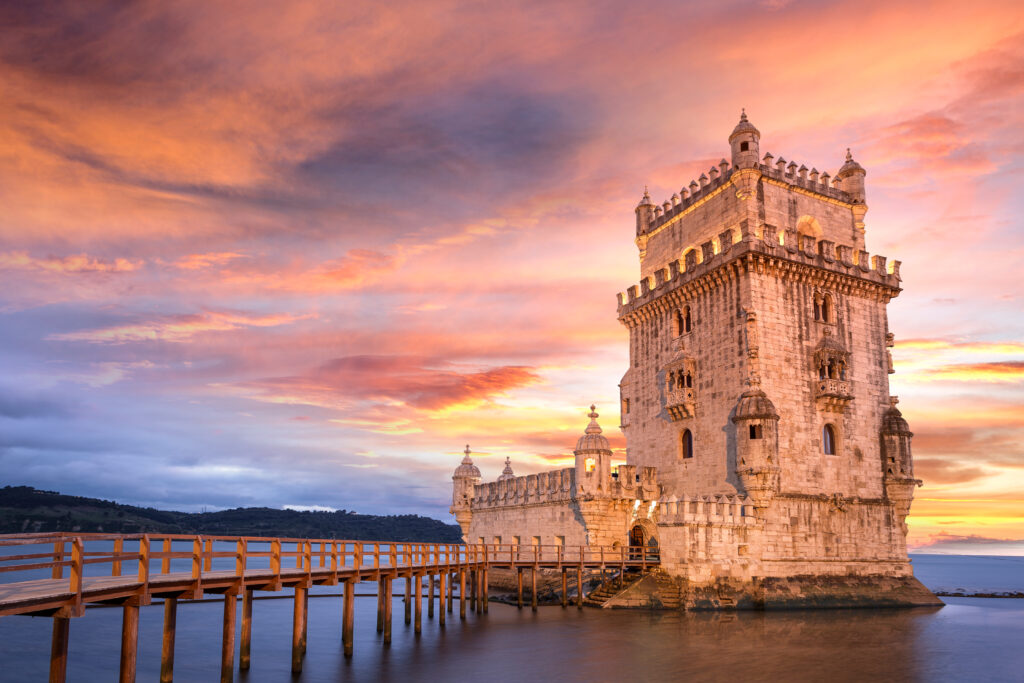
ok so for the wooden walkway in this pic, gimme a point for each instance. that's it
(130, 570)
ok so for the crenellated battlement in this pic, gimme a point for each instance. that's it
(718, 509)
(559, 486)
(786, 244)
(718, 177)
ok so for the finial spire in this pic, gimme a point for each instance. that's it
(743, 113)
(849, 156)
(593, 427)
(467, 460)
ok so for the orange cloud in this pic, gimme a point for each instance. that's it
(198, 261)
(180, 328)
(77, 263)
(1007, 371)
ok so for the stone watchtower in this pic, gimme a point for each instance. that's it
(759, 368)
(465, 478)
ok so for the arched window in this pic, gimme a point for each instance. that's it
(828, 439)
(755, 431)
(689, 381)
(686, 444)
(826, 308)
(687, 323)
(817, 306)
(680, 323)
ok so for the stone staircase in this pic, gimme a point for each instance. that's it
(610, 588)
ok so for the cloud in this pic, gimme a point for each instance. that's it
(968, 544)
(935, 471)
(77, 263)
(177, 328)
(18, 404)
(424, 383)
(1006, 371)
(198, 261)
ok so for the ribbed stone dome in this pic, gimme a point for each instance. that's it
(507, 473)
(893, 422)
(744, 126)
(829, 343)
(754, 404)
(850, 166)
(467, 469)
(592, 439)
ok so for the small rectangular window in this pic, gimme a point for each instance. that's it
(497, 540)
(516, 540)
(560, 541)
(536, 541)
(625, 406)
(755, 431)
(744, 146)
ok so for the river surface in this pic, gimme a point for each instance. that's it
(971, 639)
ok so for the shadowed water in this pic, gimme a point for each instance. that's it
(969, 639)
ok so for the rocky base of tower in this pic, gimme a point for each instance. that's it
(662, 591)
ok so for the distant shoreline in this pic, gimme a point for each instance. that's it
(948, 594)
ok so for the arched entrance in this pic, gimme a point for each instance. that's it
(642, 536)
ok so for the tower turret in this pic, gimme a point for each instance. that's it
(897, 462)
(466, 476)
(644, 214)
(757, 446)
(744, 142)
(593, 459)
(851, 178)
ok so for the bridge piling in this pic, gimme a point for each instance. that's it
(167, 648)
(297, 619)
(565, 588)
(347, 616)
(533, 582)
(129, 641)
(245, 647)
(462, 594)
(430, 597)
(442, 580)
(451, 591)
(408, 599)
(418, 604)
(227, 649)
(387, 610)
(519, 585)
(59, 650)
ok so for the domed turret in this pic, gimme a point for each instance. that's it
(897, 462)
(644, 214)
(757, 445)
(593, 459)
(466, 477)
(744, 142)
(851, 178)
(507, 473)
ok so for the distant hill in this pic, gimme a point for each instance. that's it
(24, 509)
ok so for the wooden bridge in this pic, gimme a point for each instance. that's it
(75, 570)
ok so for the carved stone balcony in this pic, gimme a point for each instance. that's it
(680, 403)
(833, 394)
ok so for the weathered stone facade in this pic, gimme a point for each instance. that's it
(762, 442)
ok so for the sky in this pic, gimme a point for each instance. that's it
(301, 254)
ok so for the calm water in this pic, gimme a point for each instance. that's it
(969, 639)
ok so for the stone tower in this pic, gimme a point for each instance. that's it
(765, 458)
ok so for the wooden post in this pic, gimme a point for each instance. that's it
(519, 582)
(533, 580)
(58, 556)
(305, 620)
(430, 597)
(387, 610)
(462, 594)
(451, 591)
(227, 643)
(380, 604)
(408, 600)
(115, 569)
(165, 566)
(297, 619)
(579, 586)
(442, 581)
(347, 617)
(167, 650)
(418, 606)
(59, 647)
(483, 587)
(565, 589)
(208, 555)
(243, 659)
(129, 642)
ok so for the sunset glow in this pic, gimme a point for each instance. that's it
(302, 255)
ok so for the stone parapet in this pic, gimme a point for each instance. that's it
(786, 250)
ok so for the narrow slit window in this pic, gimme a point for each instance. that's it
(686, 444)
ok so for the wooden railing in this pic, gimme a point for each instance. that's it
(131, 569)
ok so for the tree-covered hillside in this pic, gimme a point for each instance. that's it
(24, 509)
